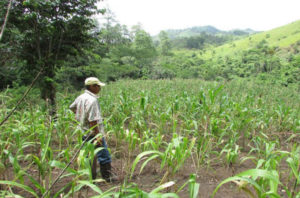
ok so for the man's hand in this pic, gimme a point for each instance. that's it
(98, 141)
(96, 127)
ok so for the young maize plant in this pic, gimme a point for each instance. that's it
(264, 182)
(173, 158)
(169, 122)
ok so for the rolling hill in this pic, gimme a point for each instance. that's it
(285, 38)
(210, 30)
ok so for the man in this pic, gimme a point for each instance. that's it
(88, 114)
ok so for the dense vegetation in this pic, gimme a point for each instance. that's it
(202, 37)
(111, 51)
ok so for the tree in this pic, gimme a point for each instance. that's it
(109, 34)
(164, 44)
(50, 31)
(113, 35)
(118, 60)
(143, 49)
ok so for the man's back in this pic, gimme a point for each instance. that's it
(87, 109)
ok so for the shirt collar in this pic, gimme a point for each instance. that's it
(90, 93)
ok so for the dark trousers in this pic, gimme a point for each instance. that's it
(103, 156)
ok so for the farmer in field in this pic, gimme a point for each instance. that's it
(88, 113)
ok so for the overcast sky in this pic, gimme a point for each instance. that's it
(157, 15)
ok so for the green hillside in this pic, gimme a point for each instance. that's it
(198, 30)
(194, 31)
(279, 38)
(272, 56)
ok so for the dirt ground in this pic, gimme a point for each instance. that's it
(207, 176)
(208, 179)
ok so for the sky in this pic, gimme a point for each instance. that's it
(157, 15)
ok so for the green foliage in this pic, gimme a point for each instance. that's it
(164, 43)
(116, 52)
(42, 34)
(265, 182)
(143, 50)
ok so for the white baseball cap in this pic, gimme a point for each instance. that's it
(93, 81)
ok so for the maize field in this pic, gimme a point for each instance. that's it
(167, 138)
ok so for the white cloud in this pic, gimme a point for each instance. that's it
(156, 15)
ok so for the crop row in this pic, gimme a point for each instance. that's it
(164, 122)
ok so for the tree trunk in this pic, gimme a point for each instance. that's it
(48, 90)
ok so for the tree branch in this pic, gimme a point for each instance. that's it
(25, 94)
(5, 20)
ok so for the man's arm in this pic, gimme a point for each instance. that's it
(73, 107)
(74, 110)
(94, 114)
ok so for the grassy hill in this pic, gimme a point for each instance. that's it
(280, 38)
(272, 56)
(194, 31)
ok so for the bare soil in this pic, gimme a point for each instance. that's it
(208, 176)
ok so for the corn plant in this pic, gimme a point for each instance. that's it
(294, 163)
(132, 191)
(173, 158)
(4, 154)
(264, 182)
(203, 149)
(231, 154)
(21, 186)
(193, 186)
(177, 152)
(164, 121)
